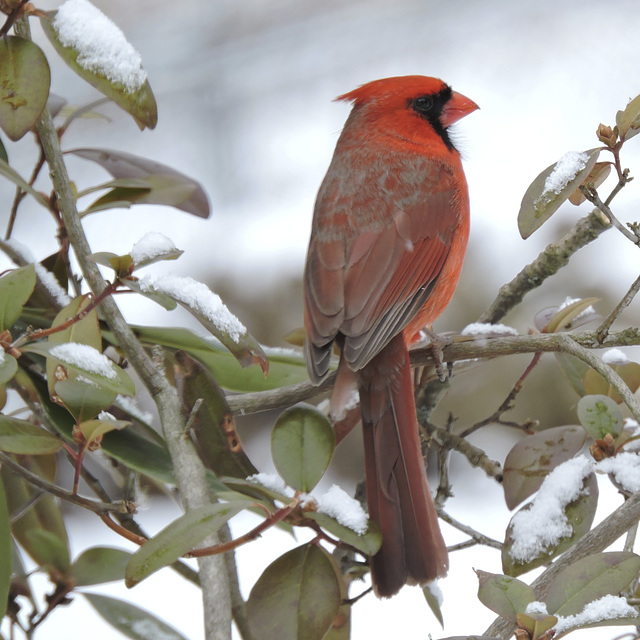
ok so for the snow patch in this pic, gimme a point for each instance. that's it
(544, 523)
(338, 504)
(101, 46)
(608, 607)
(84, 357)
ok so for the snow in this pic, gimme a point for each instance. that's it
(84, 357)
(150, 246)
(566, 169)
(52, 285)
(2, 353)
(537, 607)
(544, 524)
(105, 416)
(608, 607)
(614, 356)
(436, 591)
(346, 510)
(197, 296)
(272, 482)
(130, 406)
(625, 468)
(101, 46)
(484, 328)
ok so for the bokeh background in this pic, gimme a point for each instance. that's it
(245, 93)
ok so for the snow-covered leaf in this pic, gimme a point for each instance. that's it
(93, 47)
(369, 542)
(552, 187)
(534, 457)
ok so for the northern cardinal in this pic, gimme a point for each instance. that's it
(388, 239)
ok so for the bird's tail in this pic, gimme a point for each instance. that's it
(398, 496)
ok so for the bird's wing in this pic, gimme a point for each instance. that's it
(381, 238)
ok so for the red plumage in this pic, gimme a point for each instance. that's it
(389, 235)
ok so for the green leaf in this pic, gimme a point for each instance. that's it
(48, 548)
(573, 370)
(214, 429)
(178, 538)
(22, 437)
(83, 401)
(590, 579)
(565, 318)
(628, 120)
(504, 595)
(369, 542)
(85, 331)
(296, 598)
(536, 624)
(24, 85)
(600, 415)
(434, 604)
(302, 445)
(16, 288)
(285, 367)
(18, 180)
(5, 552)
(8, 368)
(595, 384)
(98, 565)
(531, 460)
(88, 362)
(128, 447)
(539, 205)
(132, 622)
(140, 104)
(579, 514)
(93, 430)
(156, 183)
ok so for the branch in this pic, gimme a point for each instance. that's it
(187, 466)
(37, 481)
(476, 536)
(603, 329)
(467, 350)
(548, 263)
(597, 540)
(476, 456)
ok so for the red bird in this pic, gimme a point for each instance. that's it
(388, 240)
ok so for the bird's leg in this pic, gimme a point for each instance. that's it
(437, 344)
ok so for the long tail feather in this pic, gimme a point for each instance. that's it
(398, 495)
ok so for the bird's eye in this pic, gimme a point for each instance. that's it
(424, 103)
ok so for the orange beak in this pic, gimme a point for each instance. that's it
(456, 108)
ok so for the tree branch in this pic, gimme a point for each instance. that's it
(188, 469)
(548, 263)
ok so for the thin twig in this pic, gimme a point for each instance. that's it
(592, 196)
(507, 405)
(480, 538)
(603, 330)
(476, 456)
(37, 481)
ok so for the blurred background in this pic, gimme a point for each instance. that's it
(245, 94)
